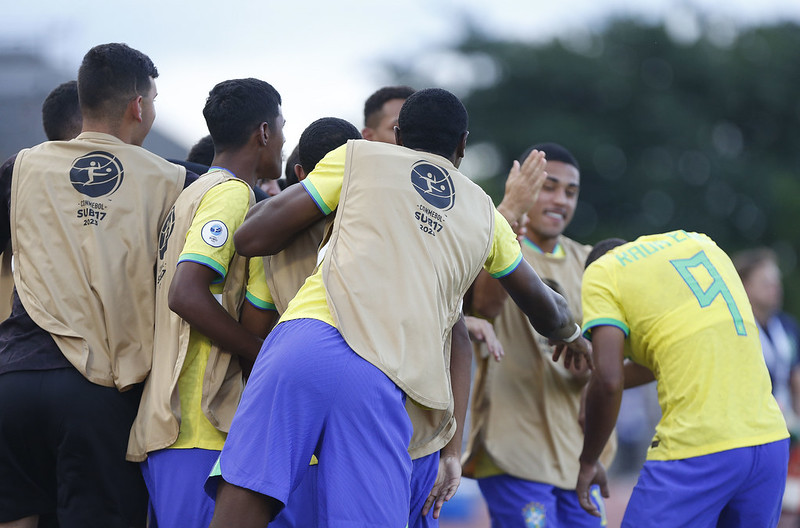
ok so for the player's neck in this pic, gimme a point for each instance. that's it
(545, 245)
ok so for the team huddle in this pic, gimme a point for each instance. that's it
(183, 353)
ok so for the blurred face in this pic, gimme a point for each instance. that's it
(148, 108)
(384, 131)
(555, 206)
(274, 151)
(270, 187)
(763, 287)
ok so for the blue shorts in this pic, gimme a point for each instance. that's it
(730, 489)
(174, 479)
(515, 502)
(309, 393)
(423, 477)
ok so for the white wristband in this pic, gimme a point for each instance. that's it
(575, 335)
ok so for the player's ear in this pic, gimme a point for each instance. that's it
(462, 145)
(135, 108)
(398, 137)
(299, 172)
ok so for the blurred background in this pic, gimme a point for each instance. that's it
(683, 114)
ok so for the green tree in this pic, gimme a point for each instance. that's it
(700, 136)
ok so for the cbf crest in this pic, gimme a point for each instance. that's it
(534, 515)
(434, 184)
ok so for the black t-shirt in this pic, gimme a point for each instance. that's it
(23, 344)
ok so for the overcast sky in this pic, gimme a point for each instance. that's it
(323, 56)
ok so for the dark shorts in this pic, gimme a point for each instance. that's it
(62, 450)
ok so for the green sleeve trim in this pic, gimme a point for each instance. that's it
(259, 303)
(316, 196)
(604, 321)
(205, 261)
(509, 269)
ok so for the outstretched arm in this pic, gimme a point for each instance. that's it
(449, 476)
(603, 397)
(548, 313)
(272, 224)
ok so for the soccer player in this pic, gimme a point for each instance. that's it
(203, 290)
(368, 330)
(675, 306)
(381, 110)
(525, 436)
(84, 219)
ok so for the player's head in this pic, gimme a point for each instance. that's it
(321, 137)
(555, 205)
(761, 277)
(241, 112)
(434, 120)
(61, 112)
(381, 111)
(115, 80)
(601, 248)
(202, 152)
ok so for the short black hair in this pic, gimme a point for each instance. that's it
(110, 76)
(375, 102)
(61, 112)
(322, 136)
(601, 248)
(202, 152)
(552, 152)
(433, 120)
(237, 107)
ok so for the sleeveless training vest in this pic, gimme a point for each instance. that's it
(158, 422)
(85, 219)
(411, 234)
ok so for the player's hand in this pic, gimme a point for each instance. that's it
(482, 330)
(522, 186)
(447, 480)
(588, 475)
(575, 353)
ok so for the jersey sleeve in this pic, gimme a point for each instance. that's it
(505, 255)
(600, 300)
(209, 240)
(324, 184)
(258, 293)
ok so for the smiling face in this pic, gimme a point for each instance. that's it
(555, 206)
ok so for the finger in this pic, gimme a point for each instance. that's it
(443, 497)
(587, 504)
(604, 489)
(428, 503)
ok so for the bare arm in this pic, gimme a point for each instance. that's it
(636, 374)
(449, 476)
(191, 299)
(258, 322)
(603, 397)
(548, 313)
(488, 296)
(272, 224)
